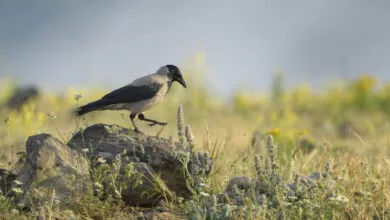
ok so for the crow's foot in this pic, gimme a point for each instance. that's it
(157, 123)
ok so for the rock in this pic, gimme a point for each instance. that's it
(238, 182)
(21, 96)
(147, 193)
(51, 172)
(18, 165)
(7, 178)
(149, 155)
(238, 188)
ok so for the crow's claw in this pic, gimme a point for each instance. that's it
(157, 123)
(138, 131)
(151, 124)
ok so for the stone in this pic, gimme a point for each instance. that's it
(52, 172)
(155, 158)
(149, 192)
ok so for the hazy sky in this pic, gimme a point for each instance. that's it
(61, 43)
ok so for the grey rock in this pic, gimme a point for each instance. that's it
(149, 155)
(149, 192)
(238, 182)
(238, 188)
(52, 172)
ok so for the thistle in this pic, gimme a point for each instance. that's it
(328, 167)
(180, 127)
(258, 169)
(297, 181)
(214, 206)
(190, 138)
(267, 164)
(272, 149)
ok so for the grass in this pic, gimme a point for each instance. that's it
(343, 130)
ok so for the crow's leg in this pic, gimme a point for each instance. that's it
(152, 122)
(132, 116)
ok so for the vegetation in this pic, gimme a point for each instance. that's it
(340, 134)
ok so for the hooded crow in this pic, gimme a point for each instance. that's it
(139, 96)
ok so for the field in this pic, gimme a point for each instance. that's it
(343, 131)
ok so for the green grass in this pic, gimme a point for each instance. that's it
(346, 128)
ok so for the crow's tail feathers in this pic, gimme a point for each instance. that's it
(84, 110)
(93, 106)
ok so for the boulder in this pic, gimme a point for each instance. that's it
(159, 162)
(21, 96)
(52, 172)
(149, 191)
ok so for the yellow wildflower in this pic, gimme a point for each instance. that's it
(274, 131)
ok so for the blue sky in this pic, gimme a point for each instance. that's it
(108, 43)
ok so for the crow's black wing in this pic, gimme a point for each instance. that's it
(130, 93)
(126, 94)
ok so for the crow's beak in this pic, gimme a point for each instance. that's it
(182, 82)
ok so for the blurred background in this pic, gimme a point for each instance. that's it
(57, 44)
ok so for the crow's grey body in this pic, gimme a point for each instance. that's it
(141, 95)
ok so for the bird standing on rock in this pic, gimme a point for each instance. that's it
(139, 96)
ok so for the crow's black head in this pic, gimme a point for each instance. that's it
(175, 75)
